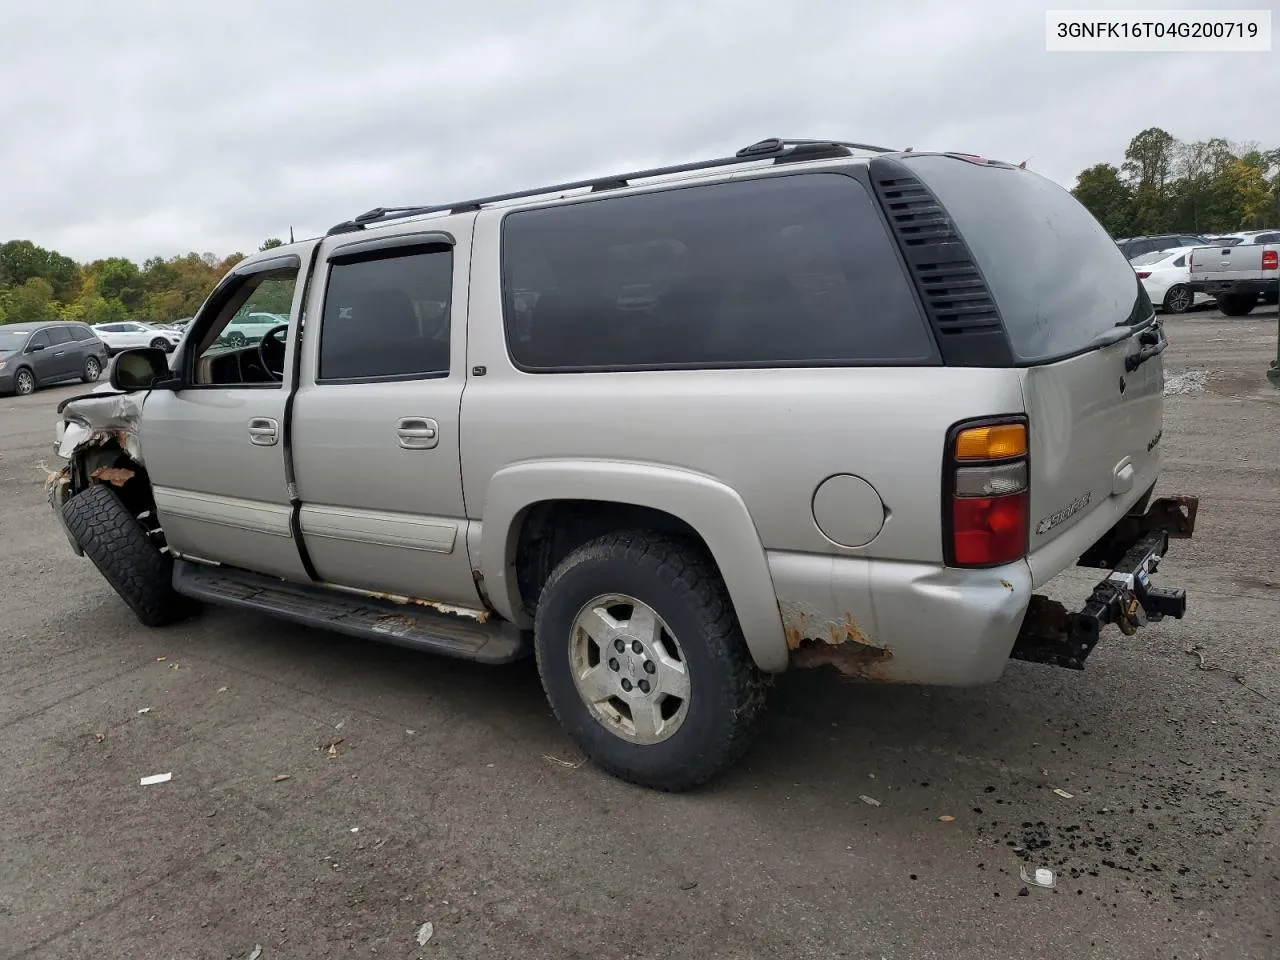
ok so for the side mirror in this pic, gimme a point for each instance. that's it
(142, 369)
(37, 347)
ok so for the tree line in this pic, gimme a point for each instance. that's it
(1166, 185)
(40, 284)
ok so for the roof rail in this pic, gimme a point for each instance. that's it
(775, 148)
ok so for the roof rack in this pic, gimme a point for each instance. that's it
(775, 148)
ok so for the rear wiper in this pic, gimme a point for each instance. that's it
(1153, 343)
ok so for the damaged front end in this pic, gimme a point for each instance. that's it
(1132, 550)
(98, 438)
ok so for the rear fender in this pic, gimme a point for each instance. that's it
(710, 507)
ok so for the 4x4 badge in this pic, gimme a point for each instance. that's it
(1066, 513)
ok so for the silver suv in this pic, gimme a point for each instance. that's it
(672, 431)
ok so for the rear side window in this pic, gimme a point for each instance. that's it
(794, 270)
(59, 335)
(1058, 279)
(1181, 261)
(80, 333)
(386, 316)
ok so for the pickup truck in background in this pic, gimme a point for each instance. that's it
(1238, 276)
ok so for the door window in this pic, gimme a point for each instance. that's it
(38, 339)
(386, 316)
(232, 361)
(59, 335)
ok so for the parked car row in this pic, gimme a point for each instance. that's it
(1179, 271)
(130, 333)
(39, 354)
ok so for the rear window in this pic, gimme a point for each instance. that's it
(1058, 279)
(794, 270)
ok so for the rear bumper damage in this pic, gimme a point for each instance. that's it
(1132, 551)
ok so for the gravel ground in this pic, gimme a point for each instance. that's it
(423, 790)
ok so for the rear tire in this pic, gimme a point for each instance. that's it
(92, 370)
(720, 693)
(1238, 304)
(114, 539)
(1179, 299)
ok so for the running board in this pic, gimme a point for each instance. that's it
(404, 624)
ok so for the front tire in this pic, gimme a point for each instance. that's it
(1238, 304)
(24, 383)
(114, 539)
(680, 699)
(92, 370)
(236, 339)
(160, 343)
(1179, 299)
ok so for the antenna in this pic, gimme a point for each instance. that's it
(291, 234)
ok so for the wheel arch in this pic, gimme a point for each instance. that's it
(680, 500)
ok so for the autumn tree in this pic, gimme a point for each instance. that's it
(1106, 196)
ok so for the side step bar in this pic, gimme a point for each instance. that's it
(373, 618)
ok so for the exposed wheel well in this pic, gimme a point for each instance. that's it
(551, 529)
(109, 463)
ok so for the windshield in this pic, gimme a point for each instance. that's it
(1058, 279)
(11, 340)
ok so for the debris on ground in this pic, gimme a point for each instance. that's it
(1040, 877)
(1197, 650)
(869, 801)
(355, 829)
(155, 778)
(99, 737)
(144, 710)
(688, 884)
(946, 818)
(1190, 381)
(563, 763)
(331, 747)
(281, 777)
(257, 952)
(424, 933)
(1063, 794)
(1024, 892)
(222, 689)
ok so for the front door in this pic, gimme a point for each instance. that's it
(375, 419)
(39, 357)
(214, 448)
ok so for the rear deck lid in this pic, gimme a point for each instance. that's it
(1073, 312)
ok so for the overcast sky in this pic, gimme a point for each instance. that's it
(155, 128)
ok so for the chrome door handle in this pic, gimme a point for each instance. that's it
(418, 433)
(263, 431)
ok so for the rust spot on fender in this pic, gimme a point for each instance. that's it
(816, 640)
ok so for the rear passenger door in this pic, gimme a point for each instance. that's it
(67, 360)
(375, 420)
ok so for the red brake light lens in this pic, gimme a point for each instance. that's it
(988, 484)
(989, 530)
(1269, 260)
(1143, 274)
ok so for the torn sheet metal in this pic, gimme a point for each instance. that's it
(98, 419)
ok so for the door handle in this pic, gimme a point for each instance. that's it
(418, 433)
(263, 431)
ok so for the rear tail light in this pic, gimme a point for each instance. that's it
(1269, 260)
(1143, 274)
(986, 494)
(1190, 256)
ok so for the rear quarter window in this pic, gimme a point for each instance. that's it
(793, 270)
(1058, 279)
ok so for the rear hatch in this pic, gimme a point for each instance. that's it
(1073, 310)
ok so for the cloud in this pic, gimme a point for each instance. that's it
(143, 128)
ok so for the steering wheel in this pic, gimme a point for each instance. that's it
(277, 350)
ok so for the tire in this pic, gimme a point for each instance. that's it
(119, 547)
(1179, 299)
(1237, 304)
(24, 382)
(714, 724)
(236, 339)
(92, 370)
(160, 343)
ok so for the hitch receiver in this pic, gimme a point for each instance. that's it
(1050, 634)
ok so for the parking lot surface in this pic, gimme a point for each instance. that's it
(329, 797)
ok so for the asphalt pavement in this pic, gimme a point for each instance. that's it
(330, 797)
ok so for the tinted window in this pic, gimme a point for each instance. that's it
(386, 316)
(1181, 261)
(1058, 279)
(1267, 238)
(59, 335)
(783, 271)
(39, 339)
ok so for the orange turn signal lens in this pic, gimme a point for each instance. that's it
(998, 442)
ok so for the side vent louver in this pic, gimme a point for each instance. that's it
(968, 326)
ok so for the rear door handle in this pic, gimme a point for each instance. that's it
(418, 433)
(263, 431)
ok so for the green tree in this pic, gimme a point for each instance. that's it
(20, 260)
(1148, 165)
(271, 243)
(119, 279)
(29, 301)
(1106, 196)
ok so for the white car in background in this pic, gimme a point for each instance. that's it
(129, 334)
(1166, 277)
(250, 328)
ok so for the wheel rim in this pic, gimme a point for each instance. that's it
(91, 369)
(629, 669)
(236, 339)
(159, 344)
(26, 383)
(1179, 299)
